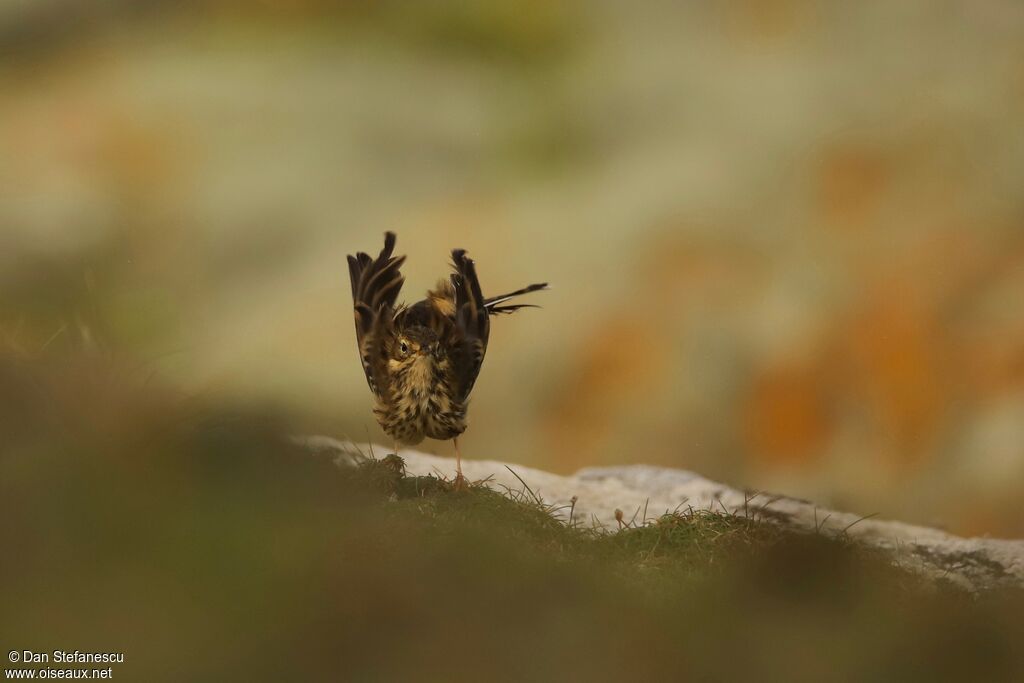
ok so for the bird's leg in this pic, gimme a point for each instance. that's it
(396, 446)
(460, 481)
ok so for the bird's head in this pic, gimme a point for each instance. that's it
(417, 343)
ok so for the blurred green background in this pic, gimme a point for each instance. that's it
(785, 238)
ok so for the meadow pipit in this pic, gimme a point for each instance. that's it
(421, 361)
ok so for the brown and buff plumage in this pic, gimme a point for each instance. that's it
(421, 361)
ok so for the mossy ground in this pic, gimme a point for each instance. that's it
(658, 554)
(677, 546)
(203, 544)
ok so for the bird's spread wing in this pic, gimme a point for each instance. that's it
(375, 287)
(472, 326)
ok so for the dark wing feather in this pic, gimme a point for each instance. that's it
(472, 326)
(375, 287)
(492, 302)
(509, 309)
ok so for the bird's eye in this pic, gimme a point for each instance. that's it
(403, 347)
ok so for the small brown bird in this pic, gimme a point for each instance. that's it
(421, 361)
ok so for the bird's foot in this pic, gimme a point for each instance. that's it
(460, 483)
